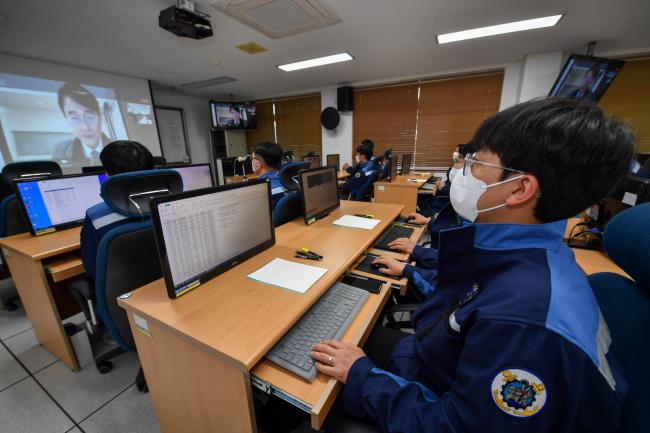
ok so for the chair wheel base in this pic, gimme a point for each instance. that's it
(104, 367)
(11, 306)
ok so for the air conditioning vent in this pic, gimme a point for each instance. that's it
(208, 83)
(280, 18)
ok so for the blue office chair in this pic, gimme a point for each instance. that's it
(126, 259)
(625, 305)
(364, 191)
(11, 218)
(289, 207)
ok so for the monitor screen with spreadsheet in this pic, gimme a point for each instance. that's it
(320, 194)
(57, 202)
(203, 233)
(194, 176)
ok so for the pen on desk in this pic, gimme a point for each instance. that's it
(307, 251)
(304, 256)
(364, 215)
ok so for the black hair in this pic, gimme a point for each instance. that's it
(123, 156)
(366, 148)
(78, 94)
(270, 152)
(234, 107)
(576, 151)
(461, 150)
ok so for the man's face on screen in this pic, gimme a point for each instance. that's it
(86, 124)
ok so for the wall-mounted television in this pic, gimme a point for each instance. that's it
(233, 115)
(586, 77)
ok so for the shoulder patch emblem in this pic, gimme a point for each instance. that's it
(518, 392)
(357, 174)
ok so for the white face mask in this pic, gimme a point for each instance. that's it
(455, 156)
(452, 173)
(465, 192)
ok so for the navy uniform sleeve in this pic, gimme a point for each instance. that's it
(89, 245)
(424, 279)
(425, 257)
(510, 377)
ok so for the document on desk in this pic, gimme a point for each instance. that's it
(288, 275)
(356, 222)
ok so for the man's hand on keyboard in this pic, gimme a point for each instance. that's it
(390, 266)
(402, 244)
(416, 218)
(335, 359)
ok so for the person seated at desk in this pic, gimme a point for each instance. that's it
(267, 159)
(511, 337)
(365, 166)
(427, 258)
(118, 157)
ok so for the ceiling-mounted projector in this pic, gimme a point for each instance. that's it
(184, 21)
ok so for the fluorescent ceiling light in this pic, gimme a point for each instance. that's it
(517, 26)
(320, 61)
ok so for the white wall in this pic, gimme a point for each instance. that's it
(197, 120)
(339, 140)
(511, 86)
(539, 73)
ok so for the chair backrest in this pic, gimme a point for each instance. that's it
(130, 193)
(364, 191)
(11, 218)
(29, 169)
(289, 172)
(126, 260)
(127, 257)
(625, 305)
(287, 209)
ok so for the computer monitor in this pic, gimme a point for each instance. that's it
(203, 233)
(195, 176)
(57, 202)
(393, 168)
(319, 190)
(334, 160)
(93, 169)
(406, 163)
(314, 161)
(586, 77)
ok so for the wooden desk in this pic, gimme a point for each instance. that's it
(201, 352)
(30, 259)
(592, 262)
(238, 179)
(402, 190)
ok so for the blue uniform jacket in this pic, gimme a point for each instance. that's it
(100, 219)
(510, 339)
(277, 190)
(358, 175)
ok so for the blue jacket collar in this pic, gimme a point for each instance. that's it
(547, 236)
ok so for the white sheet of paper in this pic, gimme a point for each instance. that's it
(288, 275)
(356, 222)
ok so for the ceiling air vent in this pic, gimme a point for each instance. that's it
(280, 18)
(208, 83)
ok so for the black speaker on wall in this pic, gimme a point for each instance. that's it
(330, 118)
(344, 98)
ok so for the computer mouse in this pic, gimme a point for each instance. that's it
(377, 266)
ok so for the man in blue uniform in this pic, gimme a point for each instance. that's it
(510, 337)
(118, 157)
(267, 159)
(365, 166)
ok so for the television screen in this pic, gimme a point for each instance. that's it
(233, 115)
(585, 77)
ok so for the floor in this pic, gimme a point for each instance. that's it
(38, 394)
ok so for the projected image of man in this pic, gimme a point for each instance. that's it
(81, 111)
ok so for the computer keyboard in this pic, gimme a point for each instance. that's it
(429, 186)
(394, 232)
(328, 318)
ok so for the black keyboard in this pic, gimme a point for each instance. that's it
(395, 231)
